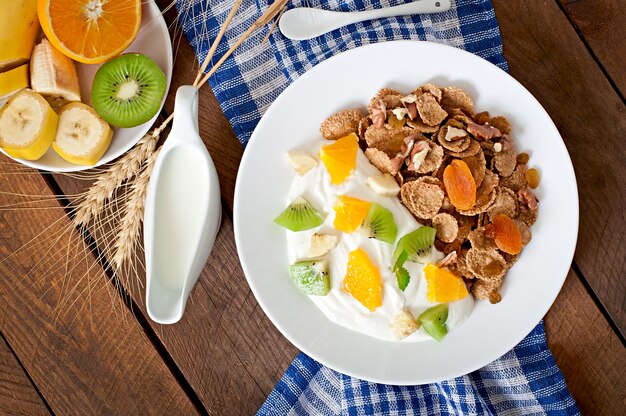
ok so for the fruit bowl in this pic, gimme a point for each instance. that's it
(349, 80)
(154, 41)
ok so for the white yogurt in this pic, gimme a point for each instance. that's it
(339, 306)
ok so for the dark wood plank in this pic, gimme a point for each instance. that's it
(93, 357)
(225, 346)
(547, 56)
(17, 394)
(601, 24)
(588, 352)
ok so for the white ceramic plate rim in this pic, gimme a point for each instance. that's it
(259, 273)
(152, 13)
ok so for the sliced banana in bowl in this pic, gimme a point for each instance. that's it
(27, 125)
(82, 137)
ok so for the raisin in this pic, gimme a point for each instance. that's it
(532, 177)
(522, 158)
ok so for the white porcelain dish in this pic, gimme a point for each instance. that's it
(349, 80)
(154, 41)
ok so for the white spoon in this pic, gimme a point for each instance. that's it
(304, 23)
(182, 215)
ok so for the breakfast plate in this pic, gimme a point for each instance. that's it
(154, 41)
(349, 80)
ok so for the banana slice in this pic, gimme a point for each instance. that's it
(82, 136)
(12, 81)
(27, 125)
(53, 75)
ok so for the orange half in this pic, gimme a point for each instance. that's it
(90, 31)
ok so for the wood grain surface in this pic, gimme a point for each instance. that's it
(601, 24)
(17, 394)
(589, 354)
(92, 357)
(225, 356)
(556, 67)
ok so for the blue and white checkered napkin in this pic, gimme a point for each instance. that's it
(526, 380)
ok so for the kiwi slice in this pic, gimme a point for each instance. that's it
(311, 276)
(299, 216)
(434, 319)
(379, 224)
(127, 91)
(417, 244)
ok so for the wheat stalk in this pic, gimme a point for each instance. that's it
(112, 208)
(132, 219)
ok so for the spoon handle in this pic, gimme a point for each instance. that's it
(415, 7)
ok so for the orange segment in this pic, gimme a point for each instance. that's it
(443, 285)
(90, 31)
(460, 185)
(340, 158)
(362, 280)
(350, 213)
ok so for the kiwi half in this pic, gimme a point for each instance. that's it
(127, 91)
(417, 244)
(379, 224)
(299, 216)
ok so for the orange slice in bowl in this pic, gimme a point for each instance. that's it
(90, 31)
(340, 157)
(350, 213)
(362, 280)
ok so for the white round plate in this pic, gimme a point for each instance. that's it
(154, 41)
(349, 80)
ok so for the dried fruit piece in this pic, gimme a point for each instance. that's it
(522, 158)
(340, 158)
(507, 235)
(532, 178)
(443, 285)
(341, 124)
(460, 185)
(350, 213)
(362, 280)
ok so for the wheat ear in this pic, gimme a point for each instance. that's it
(125, 168)
(130, 224)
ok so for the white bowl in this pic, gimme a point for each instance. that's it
(349, 80)
(154, 41)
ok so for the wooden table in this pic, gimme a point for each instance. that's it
(103, 355)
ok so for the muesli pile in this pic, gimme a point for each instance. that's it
(459, 172)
